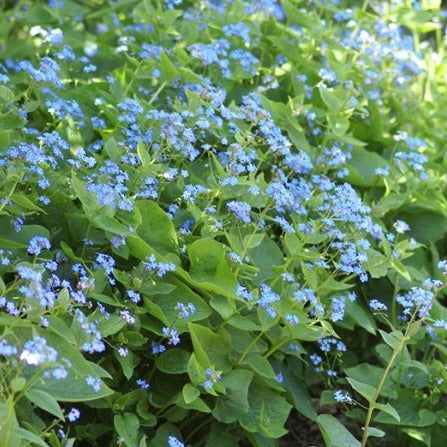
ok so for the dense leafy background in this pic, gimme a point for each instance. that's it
(220, 216)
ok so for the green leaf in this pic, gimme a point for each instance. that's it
(364, 389)
(112, 149)
(375, 432)
(306, 332)
(426, 226)
(392, 201)
(88, 200)
(143, 154)
(361, 316)
(6, 94)
(181, 293)
(339, 124)
(127, 364)
(173, 361)
(243, 323)
(260, 365)
(209, 266)
(110, 224)
(266, 255)
(362, 166)
(298, 17)
(112, 325)
(210, 348)
(161, 436)
(28, 436)
(400, 268)
(78, 391)
(234, 404)
(126, 426)
(372, 375)
(167, 68)
(156, 228)
(268, 412)
(388, 409)
(190, 393)
(300, 396)
(11, 239)
(392, 339)
(9, 427)
(26, 203)
(252, 241)
(331, 99)
(59, 327)
(17, 384)
(376, 127)
(335, 434)
(10, 121)
(197, 404)
(331, 285)
(223, 306)
(310, 275)
(413, 374)
(45, 401)
(420, 434)
(377, 264)
(69, 252)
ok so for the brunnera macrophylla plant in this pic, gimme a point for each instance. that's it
(215, 215)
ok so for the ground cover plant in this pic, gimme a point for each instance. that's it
(219, 217)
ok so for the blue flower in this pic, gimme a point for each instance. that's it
(37, 244)
(172, 335)
(59, 373)
(191, 192)
(442, 265)
(160, 268)
(142, 384)
(243, 293)
(338, 308)
(241, 210)
(94, 383)
(343, 397)
(401, 227)
(157, 348)
(46, 71)
(174, 442)
(246, 59)
(7, 349)
(185, 310)
(416, 299)
(237, 30)
(135, 297)
(212, 378)
(106, 262)
(73, 415)
(266, 298)
(377, 306)
(36, 352)
(63, 108)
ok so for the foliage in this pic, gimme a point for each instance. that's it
(215, 214)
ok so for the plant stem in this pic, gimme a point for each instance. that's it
(372, 404)
(159, 90)
(134, 76)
